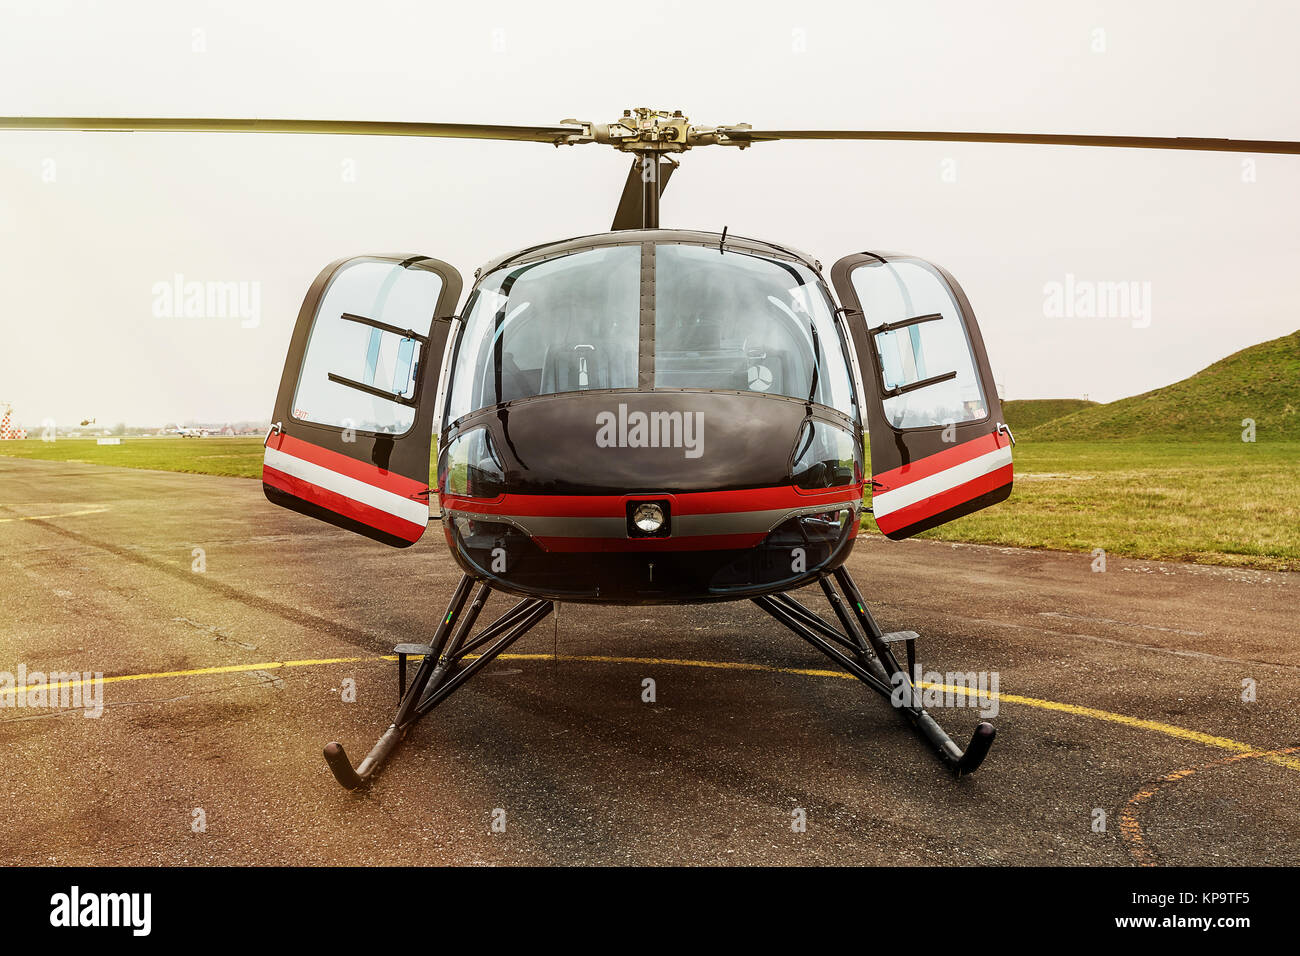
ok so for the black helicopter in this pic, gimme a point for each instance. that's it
(644, 416)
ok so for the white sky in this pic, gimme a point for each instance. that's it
(80, 255)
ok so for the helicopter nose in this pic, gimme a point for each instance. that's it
(647, 443)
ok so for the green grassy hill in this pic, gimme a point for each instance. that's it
(1027, 413)
(1261, 383)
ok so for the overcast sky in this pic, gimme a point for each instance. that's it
(91, 223)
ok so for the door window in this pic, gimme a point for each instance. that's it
(898, 290)
(384, 360)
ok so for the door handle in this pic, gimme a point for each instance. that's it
(275, 427)
(1003, 428)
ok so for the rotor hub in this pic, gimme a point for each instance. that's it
(646, 130)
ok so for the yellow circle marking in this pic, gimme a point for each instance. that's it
(1077, 710)
(1131, 830)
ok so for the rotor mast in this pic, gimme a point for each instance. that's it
(651, 136)
(649, 163)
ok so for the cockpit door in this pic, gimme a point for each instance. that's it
(349, 438)
(939, 447)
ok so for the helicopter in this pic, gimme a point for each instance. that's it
(644, 416)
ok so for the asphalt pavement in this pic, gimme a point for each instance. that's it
(236, 639)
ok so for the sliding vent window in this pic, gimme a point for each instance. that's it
(926, 363)
(363, 355)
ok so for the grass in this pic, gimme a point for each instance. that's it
(238, 457)
(1226, 503)
(1220, 503)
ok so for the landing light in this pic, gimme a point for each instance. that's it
(648, 518)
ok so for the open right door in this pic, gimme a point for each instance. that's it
(939, 446)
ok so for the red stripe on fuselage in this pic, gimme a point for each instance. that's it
(939, 461)
(342, 505)
(933, 505)
(687, 503)
(351, 467)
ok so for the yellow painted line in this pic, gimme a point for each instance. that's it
(1172, 730)
(197, 672)
(66, 514)
(678, 662)
(1077, 710)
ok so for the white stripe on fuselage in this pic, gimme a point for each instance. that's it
(417, 512)
(887, 502)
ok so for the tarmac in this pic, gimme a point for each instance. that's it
(1147, 714)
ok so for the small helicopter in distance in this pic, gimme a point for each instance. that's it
(642, 416)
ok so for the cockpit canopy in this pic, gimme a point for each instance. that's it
(642, 315)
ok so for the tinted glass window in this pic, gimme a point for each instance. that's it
(825, 457)
(384, 291)
(748, 323)
(562, 325)
(896, 290)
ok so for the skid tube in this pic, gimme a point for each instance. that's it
(448, 661)
(862, 649)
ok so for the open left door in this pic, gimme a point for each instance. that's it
(349, 439)
(939, 447)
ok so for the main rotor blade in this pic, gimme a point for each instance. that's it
(629, 214)
(527, 134)
(737, 134)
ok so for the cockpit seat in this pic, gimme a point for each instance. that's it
(587, 365)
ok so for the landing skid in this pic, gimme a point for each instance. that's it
(453, 657)
(863, 650)
(445, 667)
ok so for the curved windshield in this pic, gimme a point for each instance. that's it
(731, 321)
(561, 325)
(745, 322)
